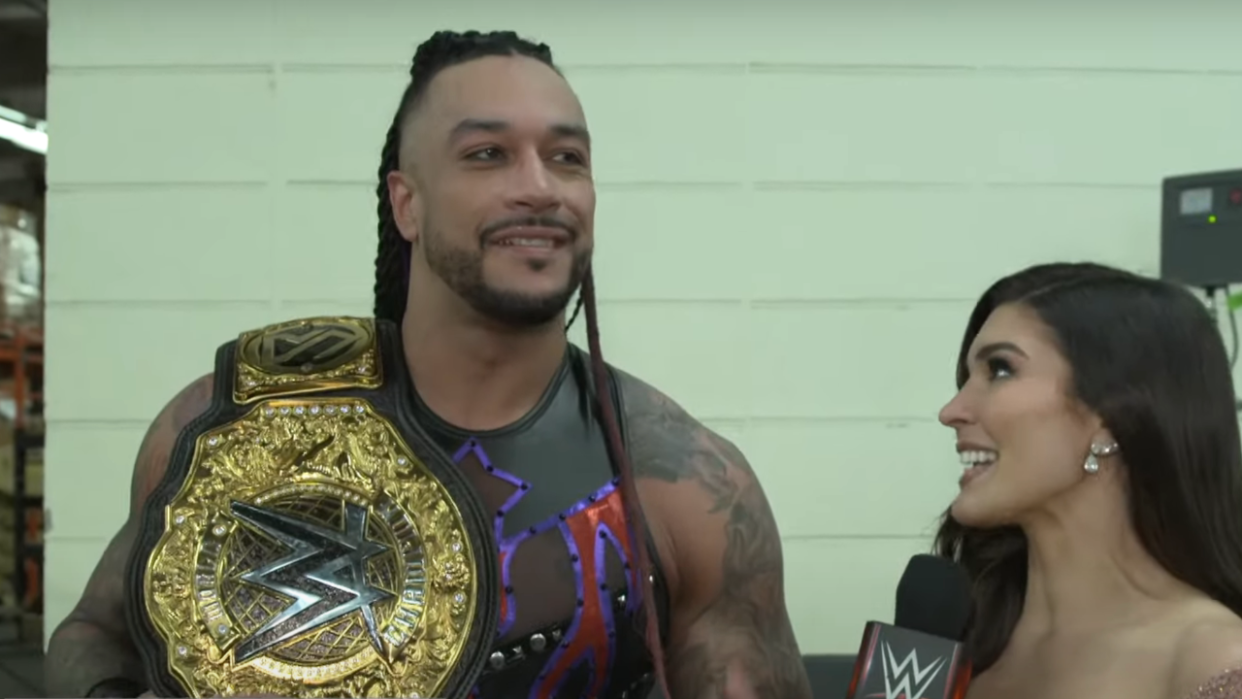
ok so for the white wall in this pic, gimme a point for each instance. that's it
(797, 208)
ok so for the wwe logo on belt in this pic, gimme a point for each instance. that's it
(907, 679)
(314, 346)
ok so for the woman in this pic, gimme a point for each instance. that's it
(1100, 511)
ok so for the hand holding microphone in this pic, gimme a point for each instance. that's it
(921, 655)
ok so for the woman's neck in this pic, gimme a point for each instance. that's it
(1087, 570)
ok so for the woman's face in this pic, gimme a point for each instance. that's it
(1022, 438)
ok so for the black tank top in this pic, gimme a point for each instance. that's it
(568, 570)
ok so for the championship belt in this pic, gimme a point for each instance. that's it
(309, 539)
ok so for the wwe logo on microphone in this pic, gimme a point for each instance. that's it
(897, 663)
(907, 679)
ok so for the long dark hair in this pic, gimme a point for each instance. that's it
(1147, 357)
(392, 279)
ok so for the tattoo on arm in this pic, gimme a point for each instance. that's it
(745, 627)
(92, 644)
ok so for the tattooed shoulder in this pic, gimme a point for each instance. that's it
(731, 616)
(161, 436)
(668, 444)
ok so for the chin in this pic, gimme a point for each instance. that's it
(547, 284)
(534, 294)
(973, 511)
(519, 308)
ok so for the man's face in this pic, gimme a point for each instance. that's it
(495, 192)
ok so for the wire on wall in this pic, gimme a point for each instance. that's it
(1233, 305)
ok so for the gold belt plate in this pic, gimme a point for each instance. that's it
(310, 553)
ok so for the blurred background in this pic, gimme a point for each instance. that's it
(23, 149)
(798, 205)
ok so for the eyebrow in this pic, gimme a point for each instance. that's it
(990, 349)
(468, 126)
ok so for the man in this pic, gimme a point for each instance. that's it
(631, 538)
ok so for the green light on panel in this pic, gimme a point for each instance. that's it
(1211, 219)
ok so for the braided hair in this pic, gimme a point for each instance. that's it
(392, 277)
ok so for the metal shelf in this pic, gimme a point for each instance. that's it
(21, 356)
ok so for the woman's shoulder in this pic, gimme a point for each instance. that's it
(1222, 685)
(1208, 658)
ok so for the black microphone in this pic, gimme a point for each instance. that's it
(921, 655)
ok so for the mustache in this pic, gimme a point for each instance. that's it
(529, 222)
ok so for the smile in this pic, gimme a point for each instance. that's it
(528, 243)
(976, 462)
(531, 238)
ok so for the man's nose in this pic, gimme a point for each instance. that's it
(534, 187)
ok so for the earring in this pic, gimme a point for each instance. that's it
(1092, 464)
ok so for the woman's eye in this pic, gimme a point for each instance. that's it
(999, 368)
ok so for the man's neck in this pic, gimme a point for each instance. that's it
(476, 375)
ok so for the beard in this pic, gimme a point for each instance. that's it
(462, 270)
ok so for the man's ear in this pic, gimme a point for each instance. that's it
(406, 202)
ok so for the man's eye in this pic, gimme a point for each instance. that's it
(489, 153)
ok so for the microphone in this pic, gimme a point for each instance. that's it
(921, 655)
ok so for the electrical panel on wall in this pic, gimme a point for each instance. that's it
(1201, 244)
(1201, 230)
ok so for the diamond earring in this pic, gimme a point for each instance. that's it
(1092, 464)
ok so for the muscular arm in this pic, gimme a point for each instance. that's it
(92, 643)
(729, 623)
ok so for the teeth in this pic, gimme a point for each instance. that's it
(977, 458)
(528, 242)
